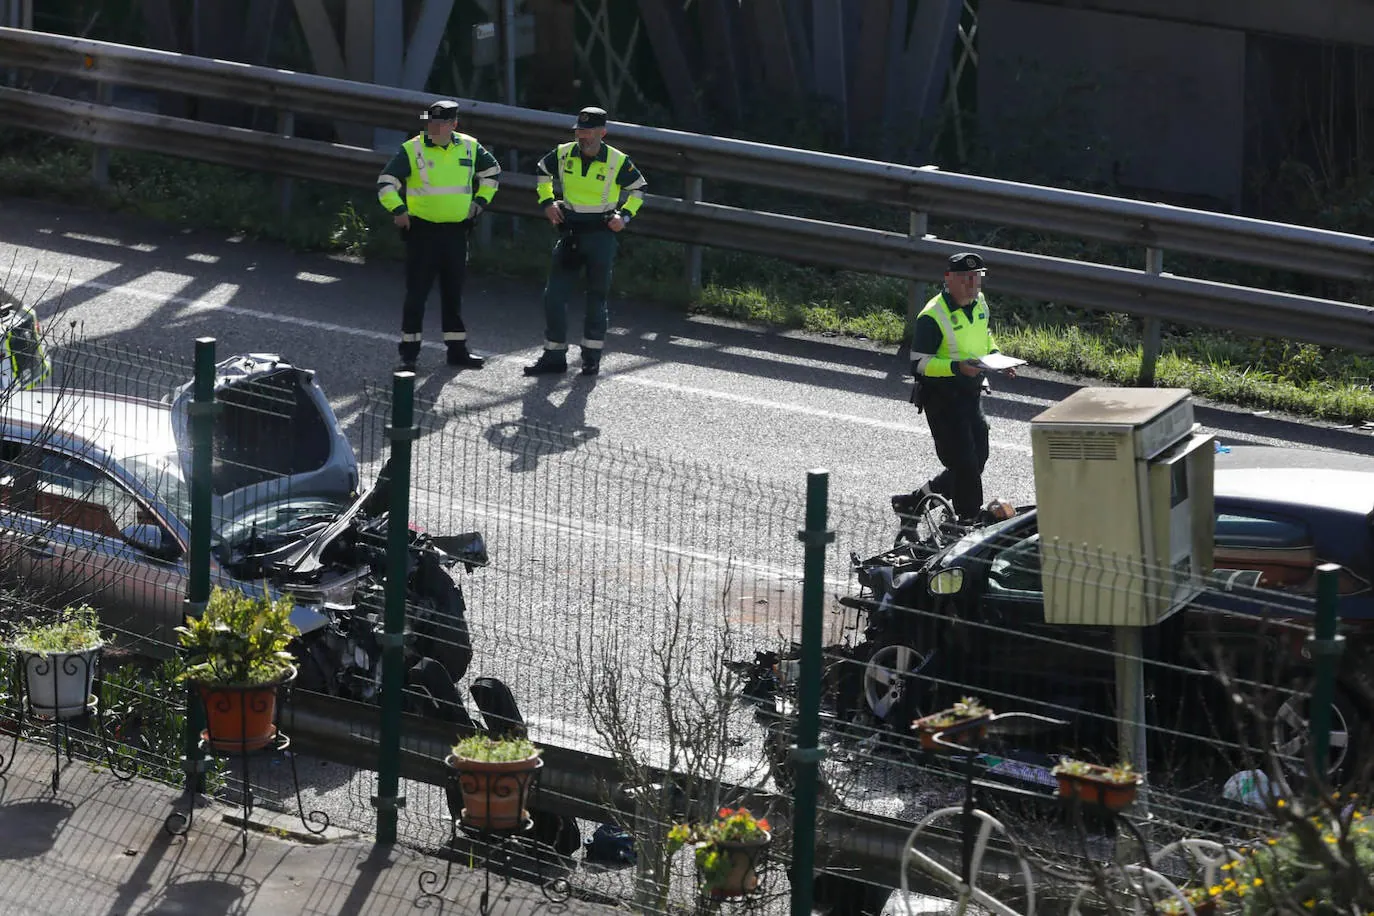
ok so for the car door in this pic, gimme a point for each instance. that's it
(1068, 669)
(97, 541)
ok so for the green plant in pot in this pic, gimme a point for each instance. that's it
(238, 657)
(968, 713)
(59, 659)
(1113, 787)
(494, 776)
(728, 850)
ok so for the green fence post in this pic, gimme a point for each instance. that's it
(1325, 646)
(388, 801)
(202, 418)
(806, 755)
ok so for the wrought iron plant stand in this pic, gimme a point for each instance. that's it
(496, 843)
(247, 701)
(84, 667)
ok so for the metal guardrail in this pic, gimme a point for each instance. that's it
(915, 256)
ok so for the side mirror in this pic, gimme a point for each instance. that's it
(149, 539)
(468, 549)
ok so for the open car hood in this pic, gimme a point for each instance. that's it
(275, 435)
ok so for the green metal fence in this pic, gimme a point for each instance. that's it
(695, 639)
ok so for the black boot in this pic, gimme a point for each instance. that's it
(459, 356)
(550, 362)
(591, 366)
(409, 356)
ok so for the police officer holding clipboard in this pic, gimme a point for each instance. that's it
(948, 345)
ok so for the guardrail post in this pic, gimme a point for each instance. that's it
(388, 801)
(806, 755)
(918, 228)
(1325, 646)
(202, 418)
(100, 159)
(1152, 336)
(691, 193)
(286, 126)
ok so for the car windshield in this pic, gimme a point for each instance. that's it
(282, 519)
(162, 475)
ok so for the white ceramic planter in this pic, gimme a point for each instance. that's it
(59, 684)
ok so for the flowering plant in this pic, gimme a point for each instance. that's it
(1318, 863)
(731, 825)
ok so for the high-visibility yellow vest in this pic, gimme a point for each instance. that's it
(439, 187)
(595, 192)
(961, 337)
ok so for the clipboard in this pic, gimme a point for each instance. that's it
(997, 362)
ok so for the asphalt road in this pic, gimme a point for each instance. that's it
(685, 458)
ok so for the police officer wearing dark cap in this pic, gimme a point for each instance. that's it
(435, 187)
(600, 192)
(950, 336)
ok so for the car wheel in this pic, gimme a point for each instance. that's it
(888, 676)
(1292, 733)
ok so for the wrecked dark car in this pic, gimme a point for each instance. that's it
(953, 610)
(95, 506)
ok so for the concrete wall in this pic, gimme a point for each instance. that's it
(1157, 106)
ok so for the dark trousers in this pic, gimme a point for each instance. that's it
(434, 250)
(960, 432)
(595, 253)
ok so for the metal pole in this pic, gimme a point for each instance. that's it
(1131, 732)
(286, 126)
(388, 801)
(691, 194)
(508, 60)
(202, 417)
(1325, 646)
(918, 229)
(1152, 335)
(100, 159)
(806, 755)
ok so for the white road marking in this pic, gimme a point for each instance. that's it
(200, 304)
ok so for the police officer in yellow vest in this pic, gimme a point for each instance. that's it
(435, 187)
(950, 336)
(25, 363)
(593, 177)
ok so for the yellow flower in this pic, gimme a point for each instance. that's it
(1281, 803)
(1214, 890)
(1309, 903)
(1259, 882)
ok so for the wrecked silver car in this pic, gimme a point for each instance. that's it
(95, 507)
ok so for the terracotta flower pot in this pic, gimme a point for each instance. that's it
(493, 795)
(240, 719)
(59, 683)
(1097, 790)
(972, 726)
(743, 858)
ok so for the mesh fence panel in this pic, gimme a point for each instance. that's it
(646, 610)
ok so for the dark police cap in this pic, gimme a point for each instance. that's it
(442, 110)
(965, 261)
(590, 117)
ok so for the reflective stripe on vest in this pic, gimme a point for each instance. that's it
(590, 193)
